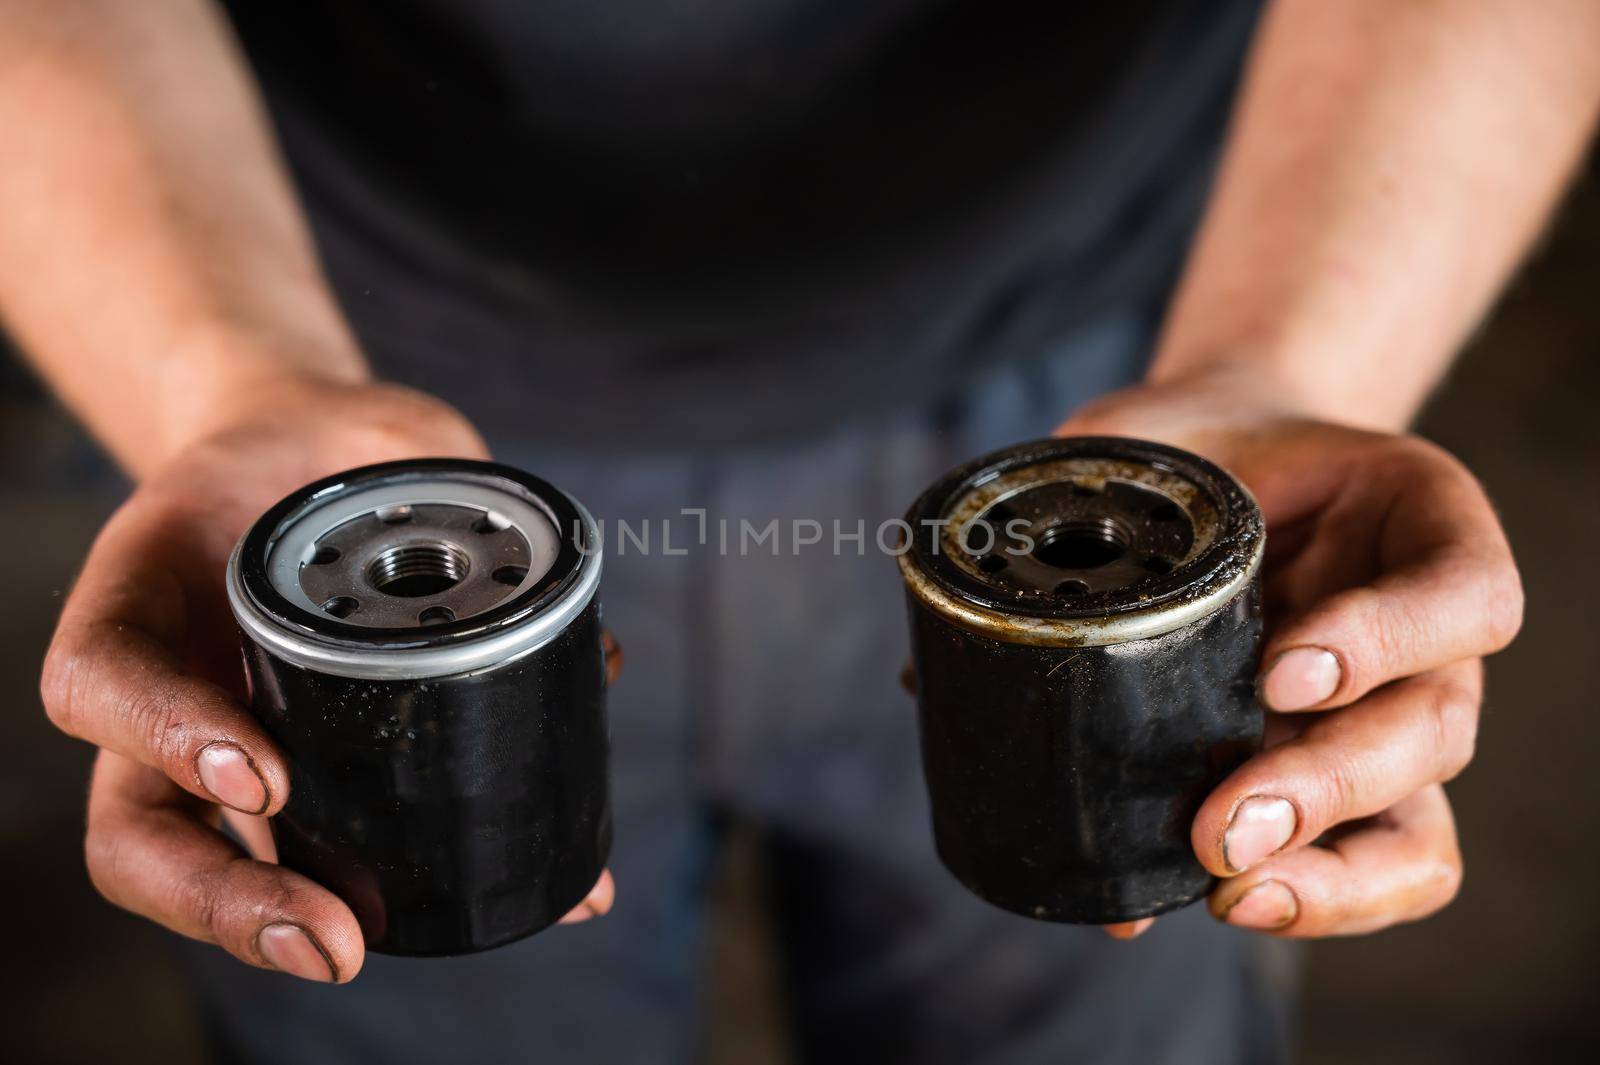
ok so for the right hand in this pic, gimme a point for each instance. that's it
(145, 665)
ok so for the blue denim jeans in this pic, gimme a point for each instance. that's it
(765, 686)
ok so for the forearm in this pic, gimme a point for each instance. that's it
(156, 268)
(1390, 163)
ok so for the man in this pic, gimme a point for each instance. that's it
(781, 260)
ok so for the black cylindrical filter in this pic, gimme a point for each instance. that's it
(1085, 620)
(423, 641)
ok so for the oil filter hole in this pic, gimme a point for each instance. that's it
(510, 575)
(1086, 544)
(991, 563)
(324, 556)
(417, 570)
(395, 515)
(1068, 589)
(436, 615)
(341, 606)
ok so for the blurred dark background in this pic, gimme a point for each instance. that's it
(1506, 974)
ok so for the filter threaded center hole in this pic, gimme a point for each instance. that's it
(415, 570)
(1088, 543)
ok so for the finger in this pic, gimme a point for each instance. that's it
(1401, 867)
(1344, 765)
(254, 833)
(148, 851)
(114, 677)
(1447, 589)
(1128, 929)
(613, 656)
(597, 903)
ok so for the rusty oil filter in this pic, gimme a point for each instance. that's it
(1085, 624)
(422, 639)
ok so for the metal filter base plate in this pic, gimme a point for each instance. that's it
(418, 568)
(445, 552)
(1072, 527)
(1082, 541)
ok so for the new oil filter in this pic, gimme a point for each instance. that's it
(423, 641)
(1085, 622)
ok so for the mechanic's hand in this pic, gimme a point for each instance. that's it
(1387, 577)
(145, 664)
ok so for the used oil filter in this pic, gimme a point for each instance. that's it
(423, 641)
(1085, 626)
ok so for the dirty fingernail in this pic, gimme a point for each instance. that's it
(1260, 825)
(1299, 678)
(286, 947)
(1270, 904)
(227, 774)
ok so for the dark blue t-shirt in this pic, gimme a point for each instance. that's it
(703, 222)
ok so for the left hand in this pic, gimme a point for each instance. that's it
(145, 665)
(1387, 578)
